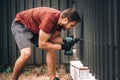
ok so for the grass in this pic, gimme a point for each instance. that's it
(31, 70)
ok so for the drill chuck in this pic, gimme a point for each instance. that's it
(75, 40)
(71, 39)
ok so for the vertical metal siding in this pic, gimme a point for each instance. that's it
(101, 46)
(5, 30)
(0, 32)
(117, 39)
(8, 49)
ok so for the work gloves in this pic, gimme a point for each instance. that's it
(66, 46)
(67, 43)
(56, 78)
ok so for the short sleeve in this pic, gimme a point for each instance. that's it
(47, 24)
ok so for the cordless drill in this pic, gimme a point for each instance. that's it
(71, 40)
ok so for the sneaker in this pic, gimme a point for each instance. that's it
(56, 78)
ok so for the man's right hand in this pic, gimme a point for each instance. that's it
(66, 46)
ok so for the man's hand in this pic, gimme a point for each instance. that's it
(66, 46)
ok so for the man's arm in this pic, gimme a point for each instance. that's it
(56, 38)
(45, 44)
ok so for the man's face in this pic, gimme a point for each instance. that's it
(69, 25)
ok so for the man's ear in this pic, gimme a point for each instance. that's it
(65, 20)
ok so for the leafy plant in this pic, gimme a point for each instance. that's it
(5, 69)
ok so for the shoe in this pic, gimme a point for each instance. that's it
(56, 78)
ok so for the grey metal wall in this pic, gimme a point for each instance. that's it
(8, 48)
(99, 47)
(101, 37)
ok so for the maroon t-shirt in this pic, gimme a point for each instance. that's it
(43, 18)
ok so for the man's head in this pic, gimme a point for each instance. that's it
(68, 18)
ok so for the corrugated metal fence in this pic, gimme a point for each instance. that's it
(8, 48)
(101, 33)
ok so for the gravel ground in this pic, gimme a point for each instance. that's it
(38, 73)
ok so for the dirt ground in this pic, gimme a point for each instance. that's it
(37, 73)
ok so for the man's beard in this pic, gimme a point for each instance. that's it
(64, 28)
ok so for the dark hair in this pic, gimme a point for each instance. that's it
(71, 14)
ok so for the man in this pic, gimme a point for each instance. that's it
(41, 26)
